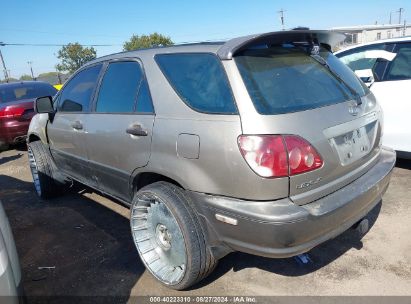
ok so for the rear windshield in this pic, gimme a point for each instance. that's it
(200, 81)
(14, 92)
(286, 79)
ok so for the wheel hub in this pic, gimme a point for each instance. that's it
(163, 236)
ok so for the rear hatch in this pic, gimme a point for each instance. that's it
(299, 90)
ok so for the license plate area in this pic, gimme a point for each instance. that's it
(353, 145)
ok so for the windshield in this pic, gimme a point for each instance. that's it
(15, 92)
(284, 79)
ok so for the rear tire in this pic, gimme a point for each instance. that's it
(41, 166)
(168, 236)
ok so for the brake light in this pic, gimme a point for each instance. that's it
(11, 112)
(265, 154)
(302, 156)
(278, 155)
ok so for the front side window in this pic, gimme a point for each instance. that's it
(400, 67)
(360, 58)
(123, 89)
(77, 94)
(200, 81)
(285, 79)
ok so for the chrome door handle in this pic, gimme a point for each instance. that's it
(77, 125)
(136, 130)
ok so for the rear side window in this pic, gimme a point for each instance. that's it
(14, 92)
(122, 88)
(200, 81)
(77, 93)
(284, 79)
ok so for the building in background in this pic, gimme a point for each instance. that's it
(368, 33)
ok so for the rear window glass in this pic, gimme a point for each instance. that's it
(15, 92)
(286, 79)
(200, 81)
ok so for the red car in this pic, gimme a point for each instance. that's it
(16, 109)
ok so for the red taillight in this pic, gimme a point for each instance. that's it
(265, 154)
(302, 156)
(278, 155)
(11, 112)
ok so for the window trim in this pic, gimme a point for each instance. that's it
(181, 97)
(144, 78)
(58, 109)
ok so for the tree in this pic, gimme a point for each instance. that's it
(25, 77)
(146, 41)
(48, 74)
(73, 56)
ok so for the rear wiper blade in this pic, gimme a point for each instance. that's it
(323, 62)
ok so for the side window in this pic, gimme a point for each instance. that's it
(144, 103)
(199, 80)
(400, 67)
(122, 85)
(357, 59)
(77, 94)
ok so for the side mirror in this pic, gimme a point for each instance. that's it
(367, 76)
(44, 105)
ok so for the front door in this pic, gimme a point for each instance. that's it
(393, 93)
(119, 130)
(67, 131)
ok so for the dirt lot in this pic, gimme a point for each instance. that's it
(85, 238)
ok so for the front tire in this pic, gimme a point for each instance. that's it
(169, 237)
(41, 167)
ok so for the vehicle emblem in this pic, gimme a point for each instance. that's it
(309, 183)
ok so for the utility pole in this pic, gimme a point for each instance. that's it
(281, 12)
(6, 75)
(400, 11)
(31, 69)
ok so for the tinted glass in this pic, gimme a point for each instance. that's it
(286, 79)
(400, 67)
(200, 81)
(144, 103)
(20, 91)
(356, 58)
(118, 91)
(76, 95)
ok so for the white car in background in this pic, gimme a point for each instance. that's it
(10, 273)
(385, 66)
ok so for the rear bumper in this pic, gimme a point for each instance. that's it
(13, 131)
(283, 229)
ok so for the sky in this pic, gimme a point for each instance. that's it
(113, 22)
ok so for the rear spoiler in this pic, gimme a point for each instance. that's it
(233, 46)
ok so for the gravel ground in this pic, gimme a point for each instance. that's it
(85, 239)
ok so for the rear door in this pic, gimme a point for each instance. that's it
(67, 129)
(120, 128)
(294, 94)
